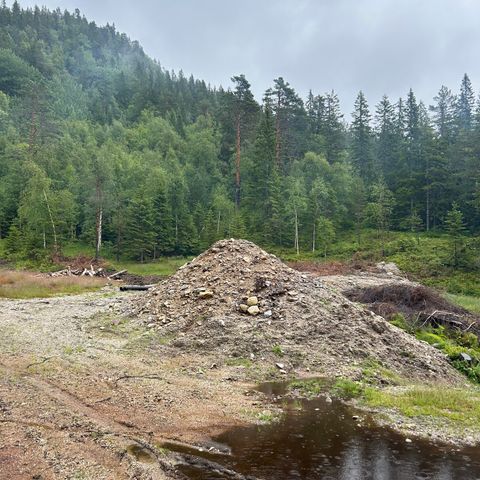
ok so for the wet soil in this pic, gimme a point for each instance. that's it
(325, 439)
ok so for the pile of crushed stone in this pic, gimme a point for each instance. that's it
(236, 300)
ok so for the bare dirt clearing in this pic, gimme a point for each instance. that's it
(88, 380)
(78, 387)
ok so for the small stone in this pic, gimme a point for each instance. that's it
(408, 440)
(465, 357)
(267, 314)
(293, 293)
(244, 308)
(280, 366)
(251, 301)
(328, 399)
(355, 417)
(253, 310)
(205, 294)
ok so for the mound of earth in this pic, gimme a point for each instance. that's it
(236, 300)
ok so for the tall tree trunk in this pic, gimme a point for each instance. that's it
(297, 248)
(54, 230)
(176, 229)
(314, 237)
(237, 163)
(32, 140)
(98, 218)
(98, 229)
(428, 209)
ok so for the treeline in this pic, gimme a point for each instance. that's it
(100, 143)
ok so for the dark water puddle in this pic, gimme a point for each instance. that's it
(323, 440)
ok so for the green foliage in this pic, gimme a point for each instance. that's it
(455, 228)
(100, 145)
(277, 350)
(347, 389)
(453, 404)
(309, 387)
(399, 321)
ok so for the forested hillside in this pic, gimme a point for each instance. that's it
(100, 143)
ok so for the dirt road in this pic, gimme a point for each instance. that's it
(81, 387)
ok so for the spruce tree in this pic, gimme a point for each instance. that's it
(362, 142)
(455, 227)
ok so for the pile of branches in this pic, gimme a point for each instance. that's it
(420, 305)
(87, 272)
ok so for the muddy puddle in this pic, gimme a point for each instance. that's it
(322, 439)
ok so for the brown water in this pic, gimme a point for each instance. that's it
(322, 441)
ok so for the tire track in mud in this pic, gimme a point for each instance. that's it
(100, 424)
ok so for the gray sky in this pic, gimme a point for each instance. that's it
(378, 46)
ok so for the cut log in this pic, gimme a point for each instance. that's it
(117, 274)
(125, 288)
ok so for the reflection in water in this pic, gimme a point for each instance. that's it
(323, 442)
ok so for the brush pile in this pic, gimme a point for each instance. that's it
(236, 300)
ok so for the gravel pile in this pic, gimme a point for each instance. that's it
(236, 300)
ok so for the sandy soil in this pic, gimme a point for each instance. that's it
(78, 387)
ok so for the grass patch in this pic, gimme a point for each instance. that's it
(347, 389)
(277, 350)
(453, 404)
(308, 388)
(162, 266)
(373, 372)
(468, 302)
(266, 416)
(239, 362)
(29, 285)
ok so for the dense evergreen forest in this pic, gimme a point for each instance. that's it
(99, 143)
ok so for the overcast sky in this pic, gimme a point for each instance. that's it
(378, 46)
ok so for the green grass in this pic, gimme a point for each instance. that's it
(277, 350)
(308, 388)
(468, 302)
(239, 362)
(347, 389)
(453, 404)
(163, 266)
(427, 260)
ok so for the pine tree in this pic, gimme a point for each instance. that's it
(465, 105)
(362, 153)
(444, 114)
(388, 140)
(244, 109)
(139, 230)
(287, 107)
(333, 130)
(455, 227)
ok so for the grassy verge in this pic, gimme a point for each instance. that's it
(453, 407)
(162, 266)
(456, 405)
(29, 285)
(468, 302)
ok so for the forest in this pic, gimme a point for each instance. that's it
(101, 144)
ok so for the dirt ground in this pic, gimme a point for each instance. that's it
(93, 386)
(79, 388)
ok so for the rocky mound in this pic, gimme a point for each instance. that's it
(237, 300)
